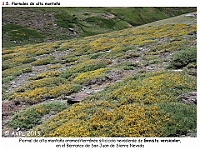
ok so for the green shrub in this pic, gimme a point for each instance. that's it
(183, 58)
(28, 118)
(183, 118)
(16, 71)
(89, 65)
(16, 61)
(43, 61)
(129, 66)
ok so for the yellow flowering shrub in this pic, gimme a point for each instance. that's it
(85, 65)
(159, 88)
(16, 71)
(176, 45)
(126, 121)
(31, 96)
(90, 75)
(43, 61)
(135, 107)
(44, 82)
(55, 66)
(47, 74)
(40, 90)
(8, 55)
(64, 89)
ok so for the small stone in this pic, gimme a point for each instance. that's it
(83, 88)
(14, 86)
(71, 29)
(90, 92)
(69, 98)
(96, 91)
(31, 75)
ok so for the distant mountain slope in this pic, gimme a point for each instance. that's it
(135, 82)
(34, 25)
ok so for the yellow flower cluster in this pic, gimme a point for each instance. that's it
(55, 66)
(62, 89)
(125, 121)
(31, 96)
(47, 74)
(159, 88)
(90, 75)
(44, 82)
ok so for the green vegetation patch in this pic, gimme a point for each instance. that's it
(16, 61)
(102, 22)
(44, 82)
(43, 61)
(37, 91)
(85, 66)
(16, 71)
(65, 20)
(46, 74)
(91, 76)
(183, 58)
(30, 117)
(19, 34)
(181, 120)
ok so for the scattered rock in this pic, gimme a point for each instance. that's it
(188, 98)
(71, 100)
(190, 15)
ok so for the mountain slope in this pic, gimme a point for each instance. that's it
(118, 77)
(34, 25)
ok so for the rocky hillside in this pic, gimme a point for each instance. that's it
(139, 81)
